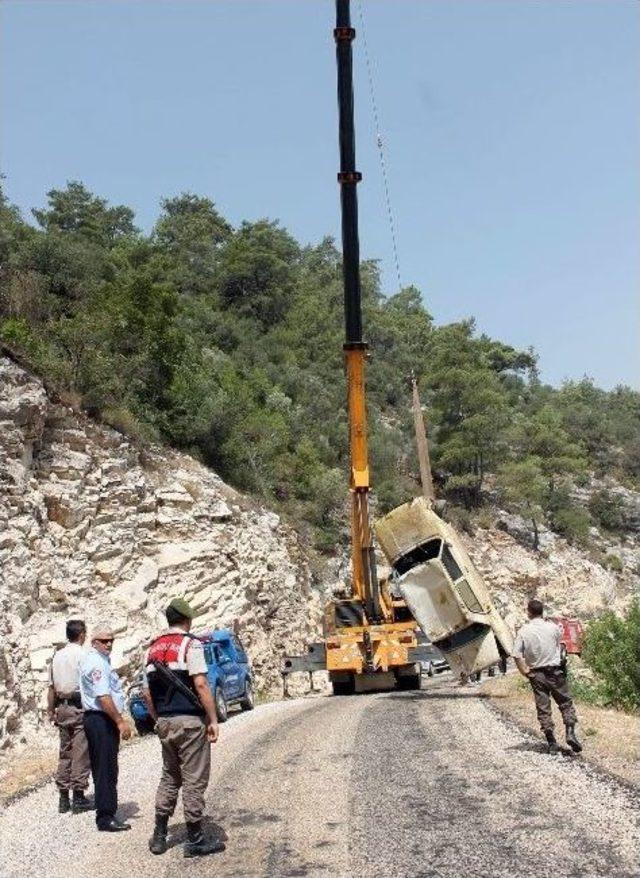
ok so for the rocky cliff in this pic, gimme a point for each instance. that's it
(92, 526)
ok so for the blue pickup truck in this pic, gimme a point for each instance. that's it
(229, 672)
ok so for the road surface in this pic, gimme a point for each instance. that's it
(432, 784)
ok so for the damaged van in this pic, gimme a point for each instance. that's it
(445, 593)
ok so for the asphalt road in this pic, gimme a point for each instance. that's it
(423, 784)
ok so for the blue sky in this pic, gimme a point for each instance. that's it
(511, 129)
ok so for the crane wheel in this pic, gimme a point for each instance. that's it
(343, 687)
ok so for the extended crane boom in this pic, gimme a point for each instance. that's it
(365, 579)
(369, 636)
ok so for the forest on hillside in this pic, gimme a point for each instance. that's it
(227, 343)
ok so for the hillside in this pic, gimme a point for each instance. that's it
(226, 342)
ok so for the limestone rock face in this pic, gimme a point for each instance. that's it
(93, 527)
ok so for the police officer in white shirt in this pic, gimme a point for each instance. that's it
(65, 711)
(538, 657)
(104, 724)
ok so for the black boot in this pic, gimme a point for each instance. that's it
(551, 741)
(158, 841)
(571, 739)
(80, 802)
(64, 805)
(196, 845)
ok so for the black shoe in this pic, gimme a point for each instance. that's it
(80, 803)
(571, 739)
(114, 825)
(158, 841)
(64, 805)
(197, 846)
(552, 744)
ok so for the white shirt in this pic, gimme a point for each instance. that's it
(65, 669)
(538, 642)
(97, 678)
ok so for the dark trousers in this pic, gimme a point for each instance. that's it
(548, 683)
(103, 738)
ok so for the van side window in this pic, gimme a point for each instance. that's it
(450, 564)
(470, 600)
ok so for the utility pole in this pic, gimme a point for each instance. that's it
(422, 444)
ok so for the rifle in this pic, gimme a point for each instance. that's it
(175, 683)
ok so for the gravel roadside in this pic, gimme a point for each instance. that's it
(37, 841)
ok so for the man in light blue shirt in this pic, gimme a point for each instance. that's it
(104, 725)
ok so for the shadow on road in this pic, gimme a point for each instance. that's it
(431, 695)
(128, 811)
(213, 830)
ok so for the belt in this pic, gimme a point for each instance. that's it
(548, 668)
(74, 700)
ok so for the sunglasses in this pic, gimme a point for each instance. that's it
(105, 639)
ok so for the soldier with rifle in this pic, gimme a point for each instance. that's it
(179, 699)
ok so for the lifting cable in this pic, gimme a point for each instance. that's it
(380, 144)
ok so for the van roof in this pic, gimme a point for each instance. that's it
(215, 635)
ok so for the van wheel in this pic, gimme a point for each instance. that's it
(247, 702)
(222, 710)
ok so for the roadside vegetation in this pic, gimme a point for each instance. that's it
(226, 342)
(612, 653)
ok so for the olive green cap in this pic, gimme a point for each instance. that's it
(182, 607)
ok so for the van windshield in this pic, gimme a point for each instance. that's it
(424, 552)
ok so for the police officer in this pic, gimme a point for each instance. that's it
(65, 711)
(179, 699)
(538, 657)
(104, 724)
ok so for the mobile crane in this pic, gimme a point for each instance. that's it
(370, 637)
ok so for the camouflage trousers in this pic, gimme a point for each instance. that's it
(186, 763)
(548, 683)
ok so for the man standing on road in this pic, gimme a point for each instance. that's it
(104, 724)
(537, 655)
(179, 699)
(65, 711)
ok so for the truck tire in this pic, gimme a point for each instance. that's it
(409, 682)
(247, 702)
(222, 711)
(343, 687)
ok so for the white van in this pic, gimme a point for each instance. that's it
(445, 593)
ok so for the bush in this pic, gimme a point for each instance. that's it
(613, 562)
(585, 690)
(572, 522)
(612, 651)
(607, 510)
(461, 519)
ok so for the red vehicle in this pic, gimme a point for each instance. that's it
(572, 633)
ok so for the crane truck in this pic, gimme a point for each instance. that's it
(376, 637)
(370, 638)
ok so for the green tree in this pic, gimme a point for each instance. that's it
(258, 271)
(523, 485)
(76, 210)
